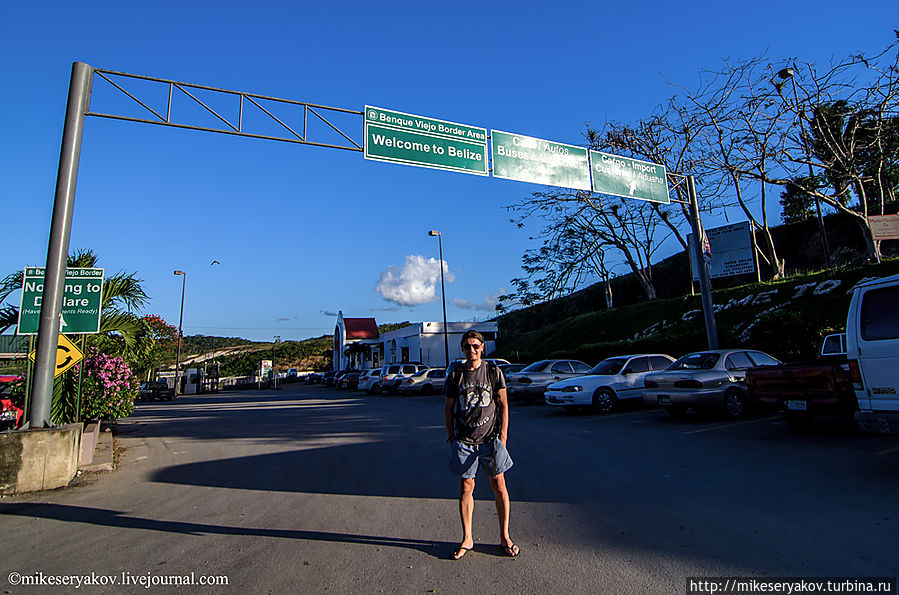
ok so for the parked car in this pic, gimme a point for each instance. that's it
(511, 368)
(612, 380)
(806, 391)
(349, 379)
(156, 389)
(707, 379)
(424, 382)
(10, 415)
(313, 378)
(530, 383)
(328, 378)
(394, 373)
(872, 343)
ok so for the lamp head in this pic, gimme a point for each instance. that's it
(433, 232)
(180, 273)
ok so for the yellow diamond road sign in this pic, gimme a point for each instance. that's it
(67, 355)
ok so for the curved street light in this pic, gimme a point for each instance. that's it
(784, 74)
(436, 233)
(180, 320)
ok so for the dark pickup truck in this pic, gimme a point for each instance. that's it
(156, 390)
(806, 391)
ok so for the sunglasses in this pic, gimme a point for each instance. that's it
(471, 346)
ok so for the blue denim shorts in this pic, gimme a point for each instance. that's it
(491, 455)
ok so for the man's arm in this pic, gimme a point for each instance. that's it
(448, 418)
(502, 414)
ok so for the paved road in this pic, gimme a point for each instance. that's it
(314, 490)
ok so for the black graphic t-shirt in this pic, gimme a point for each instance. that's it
(475, 392)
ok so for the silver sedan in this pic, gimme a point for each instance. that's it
(714, 379)
(530, 383)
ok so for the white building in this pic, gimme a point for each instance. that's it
(357, 346)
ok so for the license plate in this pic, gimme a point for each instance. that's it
(796, 405)
(664, 400)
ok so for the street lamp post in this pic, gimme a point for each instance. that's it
(274, 367)
(784, 74)
(180, 320)
(433, 233)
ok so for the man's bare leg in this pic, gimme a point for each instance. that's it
(501, 494)
(466, 512)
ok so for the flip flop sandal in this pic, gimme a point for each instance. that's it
(511, 550)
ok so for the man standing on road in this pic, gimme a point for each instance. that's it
(476, 411)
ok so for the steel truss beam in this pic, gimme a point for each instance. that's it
(294, 130)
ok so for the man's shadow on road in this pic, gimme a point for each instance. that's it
(113, 518)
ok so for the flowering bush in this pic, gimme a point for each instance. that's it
(108, 389)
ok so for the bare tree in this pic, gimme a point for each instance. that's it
(742, 123)
(590, 225)
(846, 126)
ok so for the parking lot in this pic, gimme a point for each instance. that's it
(318, 489)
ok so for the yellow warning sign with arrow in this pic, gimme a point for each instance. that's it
(67, 355)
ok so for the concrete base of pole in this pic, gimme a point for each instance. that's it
(33, 460)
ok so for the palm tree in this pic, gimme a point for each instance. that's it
(122, 332)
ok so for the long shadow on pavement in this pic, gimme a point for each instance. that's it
(112, 518)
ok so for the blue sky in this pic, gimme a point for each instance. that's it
(301, 232)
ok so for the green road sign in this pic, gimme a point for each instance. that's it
(629, 178)
(415, 140)
(81, 300)
(528, 159)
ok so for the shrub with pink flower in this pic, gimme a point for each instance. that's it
(108, 389)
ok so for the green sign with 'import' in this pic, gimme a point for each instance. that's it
(629, 178)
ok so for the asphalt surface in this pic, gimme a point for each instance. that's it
(313, 490)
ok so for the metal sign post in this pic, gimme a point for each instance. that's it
(58, 248)
(705, 287)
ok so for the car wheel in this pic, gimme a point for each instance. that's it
(427, 389)
(604, 400)
(734, 404)
(375, 389)
(676, 411)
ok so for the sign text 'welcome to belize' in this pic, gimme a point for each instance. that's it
(398, 137)
(415, 140)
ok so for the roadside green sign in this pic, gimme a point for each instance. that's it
(528, 159)
(629, 178)
(81, 301)
(397, 137)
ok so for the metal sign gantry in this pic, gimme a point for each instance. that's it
(233, 123)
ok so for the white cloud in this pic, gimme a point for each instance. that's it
(414, 283)
(488, 303)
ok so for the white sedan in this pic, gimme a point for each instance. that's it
(612, 380)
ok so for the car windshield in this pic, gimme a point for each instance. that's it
(696, 361)
(612, 365)
(538, 366)
(420, 373)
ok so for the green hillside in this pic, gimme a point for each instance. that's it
(785, 318)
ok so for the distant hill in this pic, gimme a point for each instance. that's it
(192, 344)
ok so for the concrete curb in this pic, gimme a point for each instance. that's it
(103, 454)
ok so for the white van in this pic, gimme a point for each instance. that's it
(872, 346)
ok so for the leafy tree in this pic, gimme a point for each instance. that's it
(157, 346)
(796, 201)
